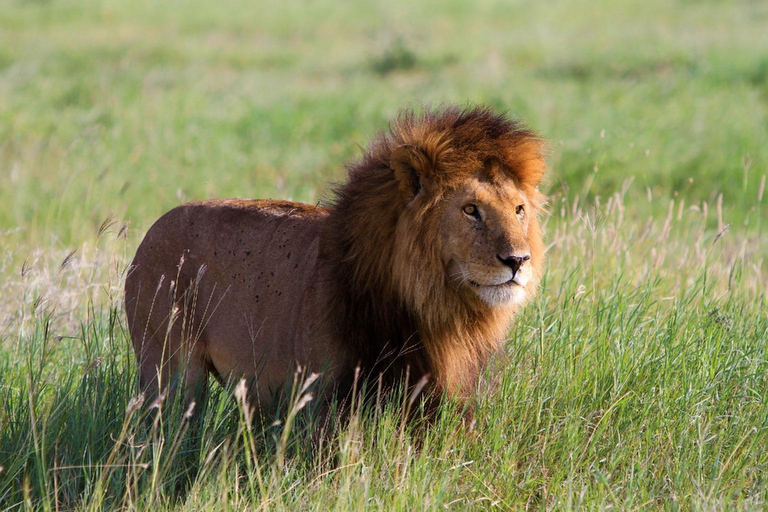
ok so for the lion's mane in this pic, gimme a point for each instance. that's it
(392, 303)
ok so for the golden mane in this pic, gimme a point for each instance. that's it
(396, 307)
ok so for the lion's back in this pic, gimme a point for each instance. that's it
(225, 234)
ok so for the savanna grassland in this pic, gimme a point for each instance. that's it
(638, 378)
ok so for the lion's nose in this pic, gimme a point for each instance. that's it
(513, 261)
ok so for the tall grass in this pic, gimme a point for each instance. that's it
(637, 378)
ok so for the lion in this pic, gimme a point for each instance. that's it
(411, 274)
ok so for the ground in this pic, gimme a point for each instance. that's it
(639, 377)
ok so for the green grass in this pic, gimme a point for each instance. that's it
(638, 378)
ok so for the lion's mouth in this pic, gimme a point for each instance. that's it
(511, 291)
(510, 282)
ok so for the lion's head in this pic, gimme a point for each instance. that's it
(468, 191)
(482, 227)
(438, 225)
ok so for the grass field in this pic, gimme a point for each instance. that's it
(639, 377)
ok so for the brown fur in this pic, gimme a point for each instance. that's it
(381, 276)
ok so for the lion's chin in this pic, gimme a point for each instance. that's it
(507, 294)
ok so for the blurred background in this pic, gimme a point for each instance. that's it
(129, 108)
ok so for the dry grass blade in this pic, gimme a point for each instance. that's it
(123, 232)
(39, 301)
(68, 259)
(417, 389)
(108, 223)
(720, 233)
(25, 268)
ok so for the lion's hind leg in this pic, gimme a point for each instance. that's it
(169, 358)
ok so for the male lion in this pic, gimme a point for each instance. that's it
(415, 269)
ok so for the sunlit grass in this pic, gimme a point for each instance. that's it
(637, 378)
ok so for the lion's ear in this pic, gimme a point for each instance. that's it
(529, 162)
(410, 165)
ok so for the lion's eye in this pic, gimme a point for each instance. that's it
(471, 210)
(520, 210)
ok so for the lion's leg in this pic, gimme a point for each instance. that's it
(168, 358)
(163, 373)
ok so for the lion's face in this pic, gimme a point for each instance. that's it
(471, 204)
(486, 250)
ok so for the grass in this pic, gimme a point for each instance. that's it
(637, 379)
